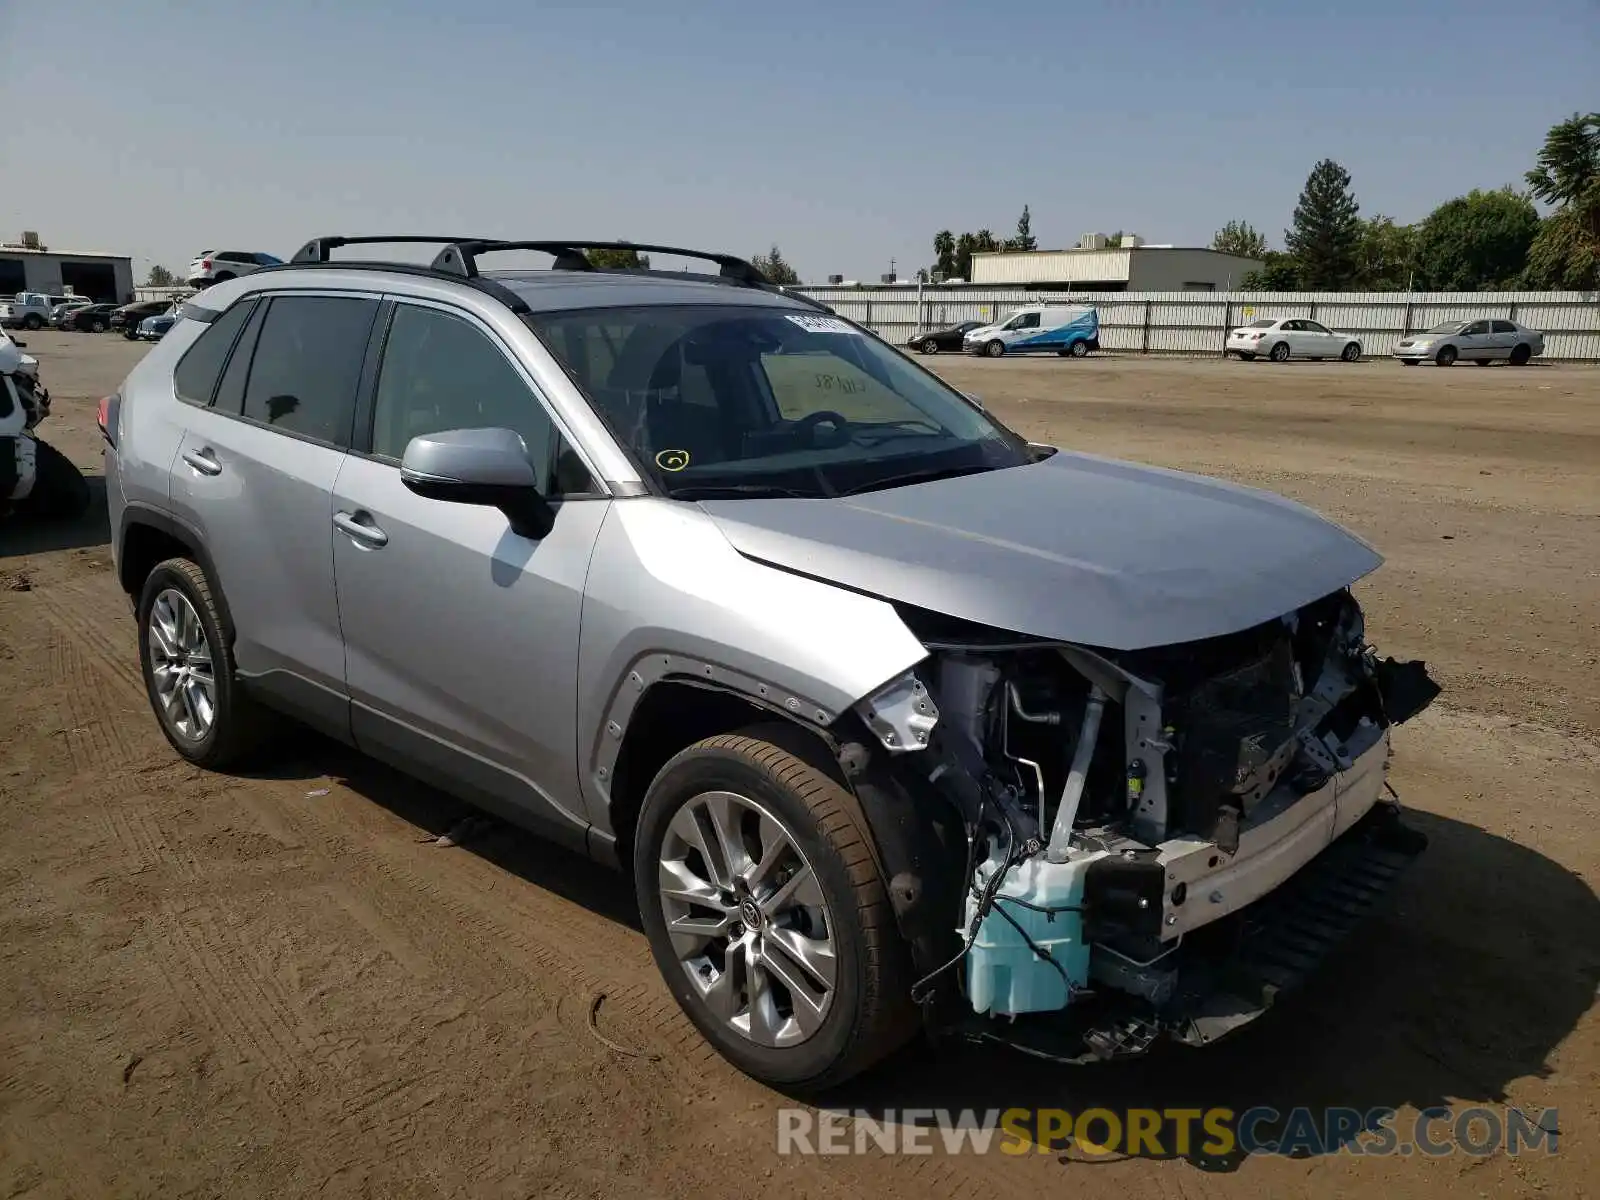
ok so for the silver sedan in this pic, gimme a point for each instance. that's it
(1482, 342)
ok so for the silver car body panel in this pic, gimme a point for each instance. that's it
(669, 597)
(1075, 548)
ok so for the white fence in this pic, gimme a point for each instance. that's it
(1197, 322)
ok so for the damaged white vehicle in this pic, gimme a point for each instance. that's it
(898, 721)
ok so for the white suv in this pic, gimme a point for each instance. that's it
(218, 266)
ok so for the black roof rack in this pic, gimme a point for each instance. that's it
(459, 259)
(316, 250)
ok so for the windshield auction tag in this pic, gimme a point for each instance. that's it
(820, 324)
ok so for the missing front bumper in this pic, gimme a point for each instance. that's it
(1233, 971)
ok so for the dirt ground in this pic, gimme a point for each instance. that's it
(279, 986)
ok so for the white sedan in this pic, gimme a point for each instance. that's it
(1283, 338)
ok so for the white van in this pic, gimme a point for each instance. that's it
(1067, 329)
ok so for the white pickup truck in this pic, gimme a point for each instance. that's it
(30, 310)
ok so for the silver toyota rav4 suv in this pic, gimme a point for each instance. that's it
(898, 721)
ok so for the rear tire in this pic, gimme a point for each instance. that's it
(1482, 362)
(995, 348)
(1520, 354)
(59, 489)
(238, 727)
(1351, 352)
(1246, 356)
(1446, 357)
(747, 791)
(33, 322)
(1280, 353)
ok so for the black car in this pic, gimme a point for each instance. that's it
(91, 318)
(936, 340)
(127, 317)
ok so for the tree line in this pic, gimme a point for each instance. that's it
(1483, 241)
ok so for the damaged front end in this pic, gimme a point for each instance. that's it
(1136, 843)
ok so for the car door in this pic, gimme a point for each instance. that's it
(461, 635)
(254, 478)
(1319, 340)
(1020, 329)
(1475, 341)
(1502, 338)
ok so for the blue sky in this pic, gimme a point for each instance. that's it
(847, 132)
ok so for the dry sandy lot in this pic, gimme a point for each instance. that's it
(278, 985)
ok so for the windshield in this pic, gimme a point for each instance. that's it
(751, 400)
(1447, 327)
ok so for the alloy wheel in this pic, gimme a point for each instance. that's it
(182, 666)
(748, 919)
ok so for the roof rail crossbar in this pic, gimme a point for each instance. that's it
(316, 250)
(569, 256)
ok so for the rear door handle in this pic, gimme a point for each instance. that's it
(203, 461)
(361, 530)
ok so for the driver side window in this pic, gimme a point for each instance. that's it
(441, 372)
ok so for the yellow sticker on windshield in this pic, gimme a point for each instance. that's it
(672, 460)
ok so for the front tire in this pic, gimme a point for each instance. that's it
(186, 655)
(1280, 353)
(1446, 357)
(930, 346)
(995, 348)
(1078, 349)
(1351, 352)
(97, 326)
(766, 913)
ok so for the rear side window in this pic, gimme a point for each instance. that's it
(230, 393)
(1504, 327)
(307, 364)
(195, 377)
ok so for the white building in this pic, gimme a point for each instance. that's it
(29, 266)
(1130, 266)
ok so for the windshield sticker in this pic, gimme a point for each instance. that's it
(672, 460)
(821, 324)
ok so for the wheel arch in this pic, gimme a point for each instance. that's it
(148, 536)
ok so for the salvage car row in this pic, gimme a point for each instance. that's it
(1074, 331)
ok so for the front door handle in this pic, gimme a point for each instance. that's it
(203, 461)
(362, 531)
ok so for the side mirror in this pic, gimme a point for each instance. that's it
(479, 466)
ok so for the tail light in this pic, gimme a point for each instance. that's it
(106, 417)
(205, 264)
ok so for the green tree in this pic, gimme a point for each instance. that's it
(1385, 255)
(984, 241)
(1476, 242)
(160, 277)
(1279, 273)
(618, 260)
(773, 266)
(1566, 251)
(1024, 239)
(1326, 230)
(944, 252)
(1241, 238)
(966, 244)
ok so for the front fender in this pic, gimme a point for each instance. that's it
(668, 597)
